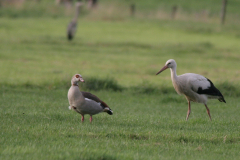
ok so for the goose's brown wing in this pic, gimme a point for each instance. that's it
(94, 98)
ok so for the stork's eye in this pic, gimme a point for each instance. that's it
(77, 76)
(169, 63)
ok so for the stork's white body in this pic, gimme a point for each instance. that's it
(188, 84)
(194, 87)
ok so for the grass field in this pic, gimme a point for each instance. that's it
(118, 58)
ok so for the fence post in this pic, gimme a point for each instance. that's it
(174, 11)
(223, 12)
(132, 9)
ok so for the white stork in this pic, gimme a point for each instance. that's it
(85, 102)
(194, 87)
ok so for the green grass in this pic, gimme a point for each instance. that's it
(38, 125)
(113, 44)
(118, 58)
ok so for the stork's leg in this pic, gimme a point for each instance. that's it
(82, 117)
(90, 118)
(189, 110)
(208, 112)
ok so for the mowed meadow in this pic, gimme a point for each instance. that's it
(118, 57)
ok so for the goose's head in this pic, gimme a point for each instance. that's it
(76, 78)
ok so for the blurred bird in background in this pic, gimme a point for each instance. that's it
(72, 26)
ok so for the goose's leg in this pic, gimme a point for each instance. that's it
(90, 118)
(189, 110)
(82, 117)
(208, 112)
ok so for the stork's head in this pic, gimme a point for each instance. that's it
(169, 64)
(76, 78)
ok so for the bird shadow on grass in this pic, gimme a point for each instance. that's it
(212, 140)
(147, 88)
(97, 157)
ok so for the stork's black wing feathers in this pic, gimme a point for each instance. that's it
(212, 90)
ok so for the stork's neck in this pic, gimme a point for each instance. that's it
(173, 74)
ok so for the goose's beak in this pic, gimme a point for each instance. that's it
(81, 79)
(165, 67)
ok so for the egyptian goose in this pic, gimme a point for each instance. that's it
(85, 102)
(194, 87)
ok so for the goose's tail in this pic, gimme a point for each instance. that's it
(108, 110)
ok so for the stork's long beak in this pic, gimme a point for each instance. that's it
(81, 79)
(165, 67)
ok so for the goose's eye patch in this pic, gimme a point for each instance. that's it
(77, 76)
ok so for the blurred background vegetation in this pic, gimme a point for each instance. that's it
(205, 10)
